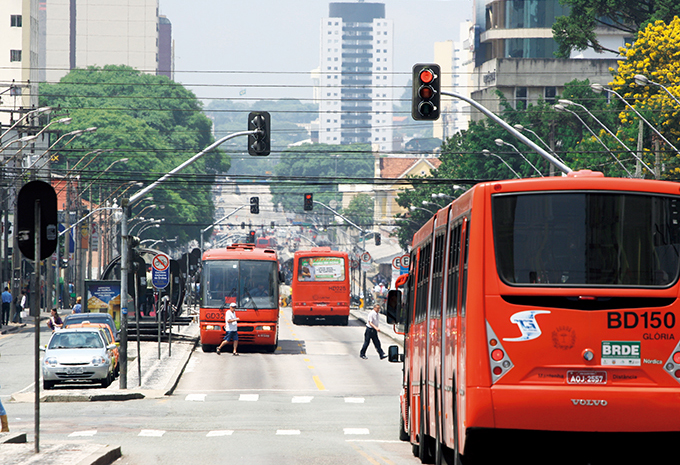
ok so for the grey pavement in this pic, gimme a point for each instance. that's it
(385, 329)
(160, 374)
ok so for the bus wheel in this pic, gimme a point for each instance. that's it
(424, 453)
(297, 320)
(344, 320)
(208, 347)
(403, 434)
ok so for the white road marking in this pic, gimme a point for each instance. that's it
(81, 434)
(151, 433)
(354, 400)
(249, 397)
(356, 431)
(195, 397)
(302, 399)
(218, 433)
(287, 432)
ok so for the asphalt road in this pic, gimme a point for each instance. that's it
(313, 401)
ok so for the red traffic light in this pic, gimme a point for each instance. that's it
(426, 76)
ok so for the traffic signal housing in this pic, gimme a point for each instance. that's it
(259, 143)
(426, 92)
(255, 205)
(309, 202)
(251, 237)
(377, 238)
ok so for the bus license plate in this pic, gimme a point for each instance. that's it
(586, 377)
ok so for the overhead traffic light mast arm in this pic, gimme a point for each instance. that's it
(561, 166)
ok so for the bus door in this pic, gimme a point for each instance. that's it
(434, 372)
(460, 376)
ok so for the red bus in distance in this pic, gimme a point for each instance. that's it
(249, 277)
(540, 313)
(320, 286)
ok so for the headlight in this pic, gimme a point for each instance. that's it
(213, 327)
(263, 328)
(96, 361)
(51, 361)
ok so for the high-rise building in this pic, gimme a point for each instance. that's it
(18, 57)
(354, 79)
(166, 48)
(85, 33)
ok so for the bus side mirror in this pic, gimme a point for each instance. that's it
(393, 306)
(282, 277)
(393, 354)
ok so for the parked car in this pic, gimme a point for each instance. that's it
(108, 339)
(80, 355)
(76, 318)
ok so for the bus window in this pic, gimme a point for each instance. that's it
(321, 269)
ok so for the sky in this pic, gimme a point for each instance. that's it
(225, 46)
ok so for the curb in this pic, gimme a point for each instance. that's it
(13, 438)
(105, 457)
(170, 387)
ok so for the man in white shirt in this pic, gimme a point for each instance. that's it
(371, 333)
(231, 328)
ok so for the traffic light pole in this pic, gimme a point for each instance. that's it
(124, 244)
(561, 166)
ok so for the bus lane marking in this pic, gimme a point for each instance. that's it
(83, 434)
(356, 431)
(302, 399)
(151, 433)
(287, 432)
(318, 383)
(219, 433)
(195, 397)
(249, 397)
(354, 400)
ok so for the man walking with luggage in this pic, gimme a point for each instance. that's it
(371, 333)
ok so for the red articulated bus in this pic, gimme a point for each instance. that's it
(266, 242)
(542, 309)
(320, 286)
(248, 276)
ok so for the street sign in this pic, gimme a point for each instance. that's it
(160, 271)
(365, 257)
(396, 263)
(160, 262)
(405, 261)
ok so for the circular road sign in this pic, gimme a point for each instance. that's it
(396, 263)
(405, 261)
(365, 257)
(160, 262)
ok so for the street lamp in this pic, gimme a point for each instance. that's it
(426, 203)
(569, 102)
(559, 107)
(642, 80)
(487, 153)
(501, 143)
(598, 88)
(521, 128)
(203, 231)
(37, 111)
(414, 208)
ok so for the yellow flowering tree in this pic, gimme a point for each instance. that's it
(655, 55)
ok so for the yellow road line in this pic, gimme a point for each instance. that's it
(366, 456)
(318, 383)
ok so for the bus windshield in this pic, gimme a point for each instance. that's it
(321, 269)
(248, 283)
(587, 239)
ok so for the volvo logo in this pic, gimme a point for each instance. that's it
(589, 402)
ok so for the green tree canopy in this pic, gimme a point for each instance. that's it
(153, 122)
(577, 31)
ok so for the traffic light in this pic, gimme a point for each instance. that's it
(309, 202)
(251, 237)
(259, 143)
(243, 225)
(255, 205)
(426, 92)
(377, 238)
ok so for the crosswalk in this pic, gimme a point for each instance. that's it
(155, 433)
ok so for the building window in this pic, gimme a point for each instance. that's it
(15, 20)
(520, 98)
(15, 55)
(550, 95)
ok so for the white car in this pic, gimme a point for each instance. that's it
(78, 355)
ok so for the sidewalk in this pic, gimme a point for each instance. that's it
(159, 378)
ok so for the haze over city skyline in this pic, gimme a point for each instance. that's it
(229, 47)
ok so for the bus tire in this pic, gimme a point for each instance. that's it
(424, 452)
(344, 320)
(208, 347)
(297, 320)
(403, 434)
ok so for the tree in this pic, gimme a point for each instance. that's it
(654, 55)
(318, 169)
(360, 211)
(155, 123)
(577, 31)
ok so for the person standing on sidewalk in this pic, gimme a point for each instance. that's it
(371, 333)
(6, 305)
(78, 307)
(231, 328)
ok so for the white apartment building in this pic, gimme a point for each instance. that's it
(18, 57)
(83, 33)
(353, 84)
